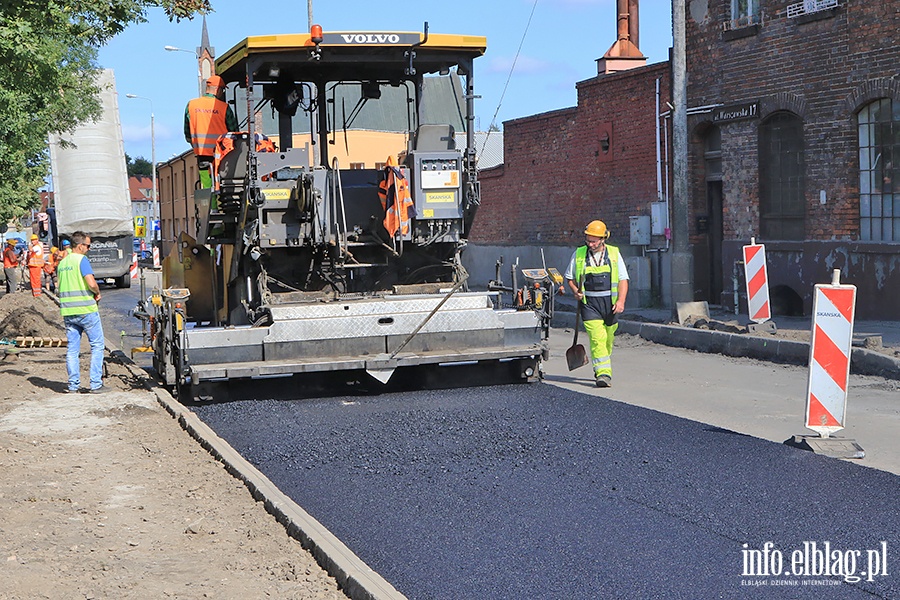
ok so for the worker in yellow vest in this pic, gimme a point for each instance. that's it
(206, 119)
(599, 280)
(35, 264)
(79, 294)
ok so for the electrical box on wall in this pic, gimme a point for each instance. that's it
(659, 217)
(640, 230)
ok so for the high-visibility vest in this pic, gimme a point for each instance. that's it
(393, 191)
(75, 297)
(36, 255)
(207, 119)
(10, 259)
(51, 262)
(582, 268)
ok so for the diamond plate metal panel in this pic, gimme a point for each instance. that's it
(382, 325)
(386, 306)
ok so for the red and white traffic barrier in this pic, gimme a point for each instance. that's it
(757, 278)
(155, 257)
(134, 265)
(834, 307)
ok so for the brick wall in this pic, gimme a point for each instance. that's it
(558, 173)
(822, 67)
(824, 70)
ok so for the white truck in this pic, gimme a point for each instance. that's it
(90, 188)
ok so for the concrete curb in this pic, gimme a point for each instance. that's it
(355, 577)
(862, 361)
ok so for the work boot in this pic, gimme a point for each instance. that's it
(603, 381)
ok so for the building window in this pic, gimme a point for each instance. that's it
(744, 13)
(879, 191)
(357, 166)
(782, 207)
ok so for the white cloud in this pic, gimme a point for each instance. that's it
(138, 143)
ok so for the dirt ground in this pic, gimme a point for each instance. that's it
(105, 496)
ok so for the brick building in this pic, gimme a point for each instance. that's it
(794, 125)
(605, 158)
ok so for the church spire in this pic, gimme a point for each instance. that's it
(206, 58)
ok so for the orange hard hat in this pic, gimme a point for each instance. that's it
(215, 81)
(597, 229)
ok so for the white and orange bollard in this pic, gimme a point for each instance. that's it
(756, 275)
(134, 265)
(834, 308)
(156, 263)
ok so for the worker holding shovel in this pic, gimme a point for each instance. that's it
(599, 280)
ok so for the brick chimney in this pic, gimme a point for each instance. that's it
(624, 53)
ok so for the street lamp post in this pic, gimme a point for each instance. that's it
(199, 74)
(154, 198)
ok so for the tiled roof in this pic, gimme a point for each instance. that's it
(140, 188)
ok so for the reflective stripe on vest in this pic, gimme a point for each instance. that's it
(75, 297)
(582, 269)
(207, 118)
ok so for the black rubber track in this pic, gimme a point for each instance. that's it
(532, 491)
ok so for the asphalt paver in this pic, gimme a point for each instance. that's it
(534, 491)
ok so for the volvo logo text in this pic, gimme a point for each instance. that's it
(371, 38)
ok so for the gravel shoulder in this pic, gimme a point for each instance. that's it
(105, 496)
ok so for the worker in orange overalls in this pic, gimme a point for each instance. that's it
(11, 266)
(35, 264)
(53, 259)
(206, 119)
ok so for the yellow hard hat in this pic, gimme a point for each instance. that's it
(34, 236)
(597, 229)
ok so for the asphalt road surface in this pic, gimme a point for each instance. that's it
(533, 491)
(542, 491)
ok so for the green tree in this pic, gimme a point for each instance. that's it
(138, 166)
(48, 53)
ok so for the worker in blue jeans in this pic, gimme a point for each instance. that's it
(78, 297)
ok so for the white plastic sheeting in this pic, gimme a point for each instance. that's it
(90, 180)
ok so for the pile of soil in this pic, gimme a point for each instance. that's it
(23, 314)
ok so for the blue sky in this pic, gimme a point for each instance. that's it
(563, 41)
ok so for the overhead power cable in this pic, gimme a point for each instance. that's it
(506, 85)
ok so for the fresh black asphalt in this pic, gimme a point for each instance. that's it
(533, 491)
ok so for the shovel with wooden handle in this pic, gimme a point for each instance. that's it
(576, 356)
